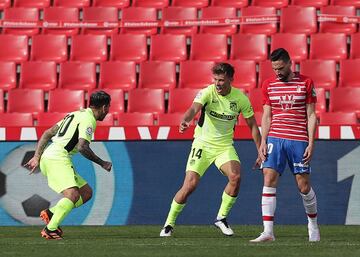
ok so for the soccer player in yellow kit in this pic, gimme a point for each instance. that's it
(71, 135)
(220, 106)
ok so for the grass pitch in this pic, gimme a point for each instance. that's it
(191, 241)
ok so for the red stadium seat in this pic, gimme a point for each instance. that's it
(338, 118)
(65, 100)
(20, 14)
(230, 3)
(219, 12)
(320, 106)
(191, 3)
(136, 119)
(151, 3)
(137, 14)
(38, 75)
(355, 46)
(298, 19)
(88, 48)
(108, 121)
(296, 44)
(272, 3)
(7, 75)
(202, 76)
(168, 48)
(16, 120)
(13, 48)
(101, 14)
(174, 13)
(146, 100)
(328, 46)
(128, 47)
(49, 48)
(170, 119)
(355, 3)
(32, 3)
(77, 75)
(345, 99)
(1, 101)
(32, 101)
(349, 73)
(249, 46)
(180, 99)
(209, 47)
(49, 119)
(117, 75)
(267, 28)
(314, 3)
(112, 3)
(322, 72)
(255, 97)
(72, 3)
(157, 74)
(245, 74)
(336, 27)
(61, 14)
(266, 71)
(5, 4)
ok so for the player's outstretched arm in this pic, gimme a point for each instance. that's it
(33, 163)
(84, 148)
(189, 116)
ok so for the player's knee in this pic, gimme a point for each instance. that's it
(304, 188)
(234, 178)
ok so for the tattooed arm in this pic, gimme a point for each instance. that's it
(85, 150)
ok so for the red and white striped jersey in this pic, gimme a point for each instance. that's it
(288, 106)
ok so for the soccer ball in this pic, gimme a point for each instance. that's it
(24, 196)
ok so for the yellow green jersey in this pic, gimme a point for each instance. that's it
(75, 125)
(219, 115)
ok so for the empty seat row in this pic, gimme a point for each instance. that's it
(293, 19)
(163, 75)
(153, 100)
(162, 3)
(174, 48)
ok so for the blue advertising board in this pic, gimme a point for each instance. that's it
(147, 174)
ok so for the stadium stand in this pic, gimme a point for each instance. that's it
(349, 75)
(32, 101)
(135, 119)
(151, 3)
(2, 108)
(72, 3)
(38, 75)
(355, 3)
(155, 100)
(199, 79)
(7, 75)
(355, 46)
(32, 3)
(170, 119)
(266, 28)
(21, 14)
(128, 47)
(77, 75)
(173, 13)
(157, 74)
(112, 3)
(298, 19)
(49, 119)
(117, 101)
(167, 47)
(209, 47)
(186, 95)
(345, 99)
(232, 3)
(249, 47)
(328, 46)
(91, 48)
(5, 4)
(49, 48)
(14, 48)
(117, 75)
(61, 14)
(191, 3)
(313, 3)
(255, 97)
(16, 119)
(321, 101)
(65, 100)
(296, 44)
(144, 14)
(322, 72)
(245, 74)
(338, 118)
(273, 3)
(336, 27)
(100, 14)
(218, 12)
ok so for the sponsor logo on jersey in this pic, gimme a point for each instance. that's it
(89, 131)
(286, 102)
(221, 116)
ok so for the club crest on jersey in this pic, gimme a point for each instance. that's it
(298, 89)
(286, 102)
(233, 106)
(89, 131)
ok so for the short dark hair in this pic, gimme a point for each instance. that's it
(99, 99)
(223, 68)
(280, 54)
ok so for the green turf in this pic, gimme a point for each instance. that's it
(189, 241)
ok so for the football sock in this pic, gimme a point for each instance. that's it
(175, 210)
(310, 204)
(226, 205)
(63, 207)
(268, 206)
(79, 202)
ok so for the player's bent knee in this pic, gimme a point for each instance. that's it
(234, 178)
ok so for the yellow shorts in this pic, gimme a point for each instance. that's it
(60, 174)
(201, 157)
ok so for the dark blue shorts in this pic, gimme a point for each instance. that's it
(281, 151)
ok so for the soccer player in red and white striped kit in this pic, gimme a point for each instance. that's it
(288, 130)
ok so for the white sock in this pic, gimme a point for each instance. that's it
(268, 206)
(310, 205)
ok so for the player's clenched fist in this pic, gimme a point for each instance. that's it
(183, 126)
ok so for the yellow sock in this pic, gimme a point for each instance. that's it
(63, 208)
(175, 210)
